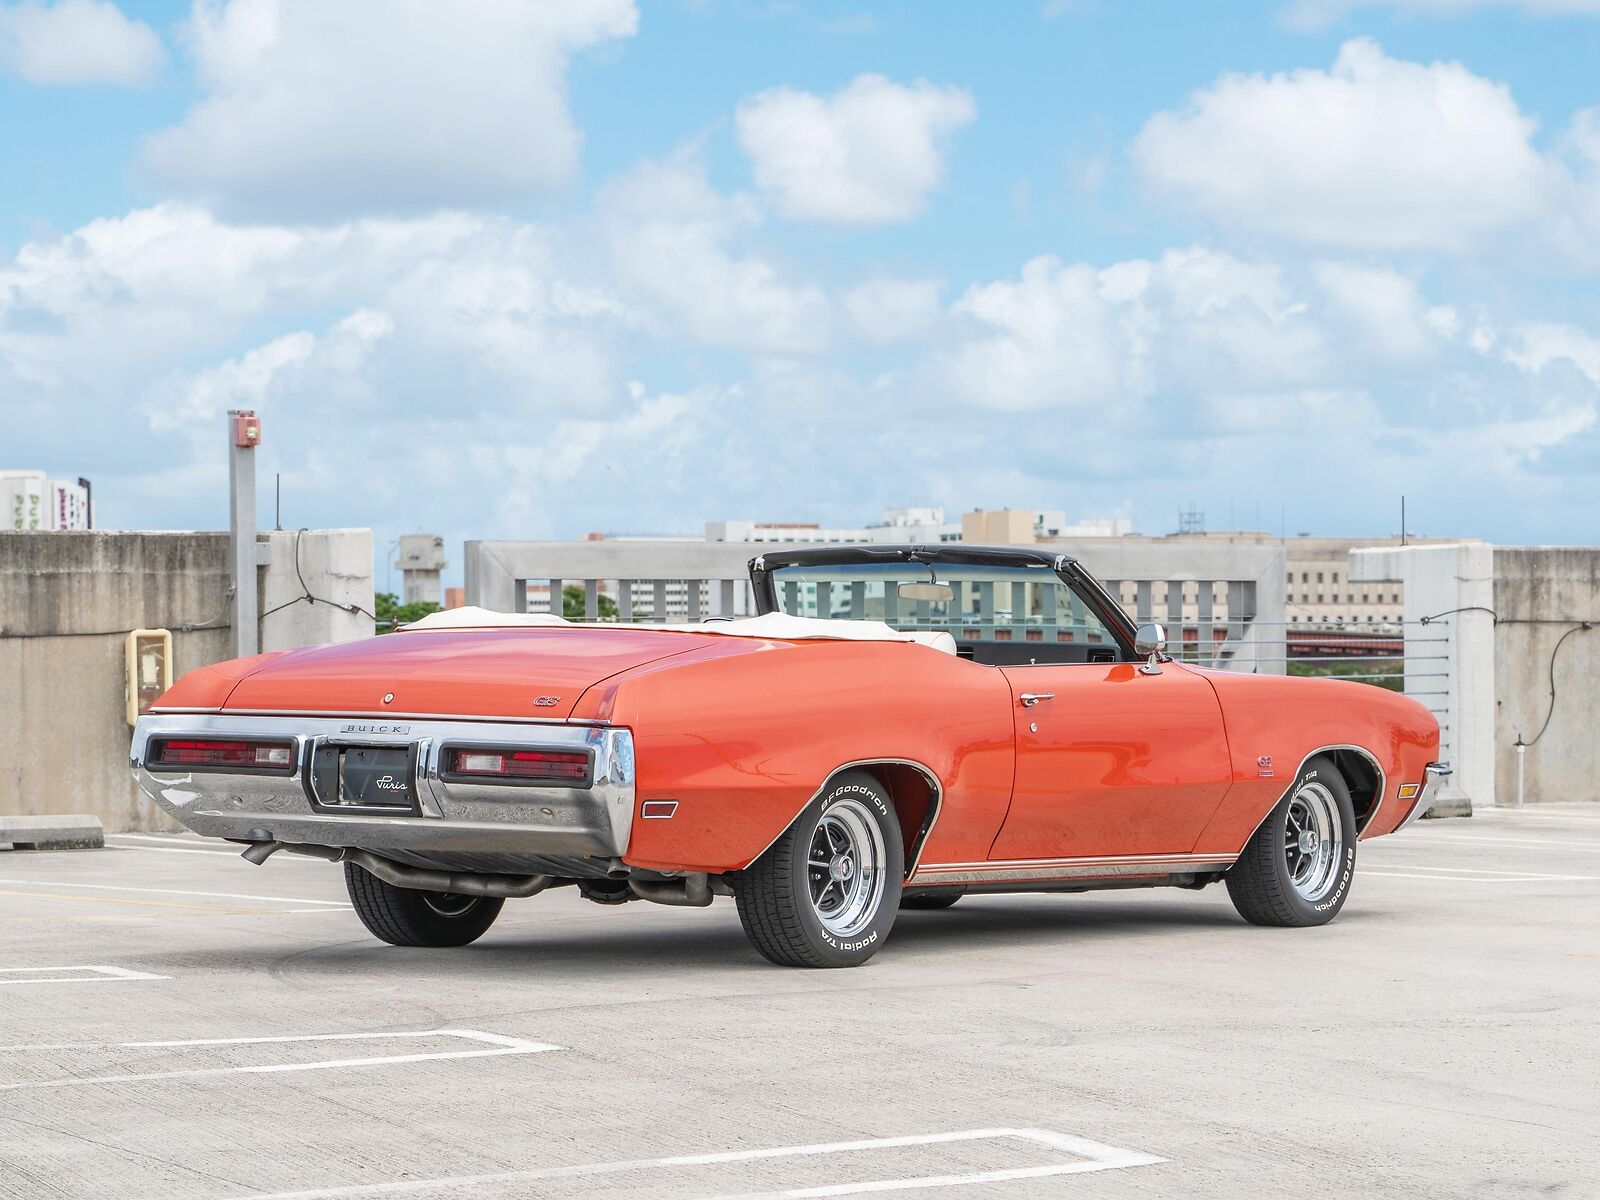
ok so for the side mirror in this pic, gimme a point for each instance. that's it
(1150, 643)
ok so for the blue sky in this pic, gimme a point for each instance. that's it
(501, 269)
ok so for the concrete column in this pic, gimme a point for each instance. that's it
(1455, 585)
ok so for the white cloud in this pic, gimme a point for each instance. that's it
(77, 42)
(1536, 345)
(1376, 153)
(868, 154)
(325, 110)
(1383, 306)
(480, 375)
(1313, 16)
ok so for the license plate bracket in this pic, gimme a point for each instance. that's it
(365, 777)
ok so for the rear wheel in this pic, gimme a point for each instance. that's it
(825, 894)
(407, 917)
(931, 897)
(1297, 867)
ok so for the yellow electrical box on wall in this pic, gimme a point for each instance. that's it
(149, 653)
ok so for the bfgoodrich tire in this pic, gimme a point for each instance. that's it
(826, 893)
(406, 917)
(1297, 867)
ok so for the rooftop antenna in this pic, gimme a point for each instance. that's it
(1403, 540)
(277, 483)
(1191, 520)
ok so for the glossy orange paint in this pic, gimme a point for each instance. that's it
(743, 741)
(1115, 762)
(743, 732)
(1287, 720)
(486, 673)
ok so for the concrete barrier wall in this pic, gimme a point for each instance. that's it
(1504, 609)
(67, 603)
(1541, 595)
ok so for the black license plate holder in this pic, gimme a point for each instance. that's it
(382, 777)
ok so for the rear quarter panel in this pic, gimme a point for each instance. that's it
(744, 738)
(1287, 719)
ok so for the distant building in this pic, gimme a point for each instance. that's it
(31, 500)
(421, 562)
(1317, 581)
(919, 525)
(1027, 526)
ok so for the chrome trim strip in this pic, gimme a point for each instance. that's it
(1434, 775)
(478, 816)
(1046, 870)
(477, 719)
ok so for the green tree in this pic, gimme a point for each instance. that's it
(572, 604)
(1362, 670)
(390, 612)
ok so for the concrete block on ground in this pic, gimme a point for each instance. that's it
(72, 832)
(1452, 802)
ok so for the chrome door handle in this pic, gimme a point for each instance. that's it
(1029, 699)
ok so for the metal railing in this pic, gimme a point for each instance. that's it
(1420, 667)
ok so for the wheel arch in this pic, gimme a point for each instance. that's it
(914, 791)
(1362, 774)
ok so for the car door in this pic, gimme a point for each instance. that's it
(1111, 761)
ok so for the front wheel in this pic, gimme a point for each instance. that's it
(1296, 868)
(825, 894)
(407, 917)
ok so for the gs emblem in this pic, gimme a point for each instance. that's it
(546, 701)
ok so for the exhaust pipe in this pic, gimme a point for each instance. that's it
(690, 891)
(415, 878)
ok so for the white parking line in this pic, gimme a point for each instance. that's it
(499, 1045)
(100, 975)
(114, 841)
(1092, 1156)
(108, 887)
(1468, 876)
(1549, 843)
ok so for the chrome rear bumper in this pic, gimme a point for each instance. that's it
(1434, 775)
(452, 816)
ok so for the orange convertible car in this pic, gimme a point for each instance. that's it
(899, 726)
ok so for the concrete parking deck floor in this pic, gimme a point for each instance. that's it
(177, 1023)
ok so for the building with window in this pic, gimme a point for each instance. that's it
(1317, 577)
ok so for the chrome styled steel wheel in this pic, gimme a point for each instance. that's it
(827, 892)
(1313, 841)
(1297, 867)
(845, 868)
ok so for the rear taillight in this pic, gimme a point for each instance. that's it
(223, 754)
(537, 766)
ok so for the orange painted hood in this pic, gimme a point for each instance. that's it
(469, 672)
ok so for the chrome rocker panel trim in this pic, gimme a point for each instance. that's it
(1048, 870)
(454, 816)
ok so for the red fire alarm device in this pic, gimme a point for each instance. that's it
(246, 429)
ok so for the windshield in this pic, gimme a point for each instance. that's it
(996, 614)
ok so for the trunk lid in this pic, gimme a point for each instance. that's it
(458, 673)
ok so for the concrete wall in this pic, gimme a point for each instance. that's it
(1506, 609)
(67, 602)
(337, 566)
(1541, 594)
